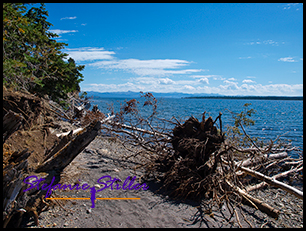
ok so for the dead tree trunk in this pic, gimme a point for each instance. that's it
(74, 146)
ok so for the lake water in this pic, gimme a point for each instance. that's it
(272, 117)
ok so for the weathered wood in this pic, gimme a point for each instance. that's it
(140, 130)
(81, 129)
(258, 204)
(282, 174)
(273, 182)
(250, 161)
(64, 156)
(67, 133)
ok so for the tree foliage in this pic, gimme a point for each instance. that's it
(32, 58)
(235, 133)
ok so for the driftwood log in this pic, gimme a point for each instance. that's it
(70, 150)
(258, 204)
(282, 174)
(272, 181)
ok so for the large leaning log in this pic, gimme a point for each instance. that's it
(81, 129)
(71, 144)
(66, 154)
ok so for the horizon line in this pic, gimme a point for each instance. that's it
(205, 94)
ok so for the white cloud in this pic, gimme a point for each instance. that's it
(74, 17)
(248, 81)
(265, 42)
(232, 79)
(188, 88)
(271, 89)
(204, 80)
(289, 5)
(287, 59)
(203, 76)
(152, 84)
(249, 57)
(229, 85)
(58, 31)
(270, 42)
(113, 87)
(142, 64)
(251, 77)
(166, 81)
(155, 67)
(229, 82)
(89, 53)
(161, 72)
(152, 67)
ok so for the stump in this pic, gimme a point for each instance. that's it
(186, 172)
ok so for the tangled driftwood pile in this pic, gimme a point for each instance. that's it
(192, 159)
(186, 171)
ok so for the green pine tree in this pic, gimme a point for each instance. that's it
(32, 58)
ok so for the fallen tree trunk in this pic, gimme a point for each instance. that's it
(69, 147)
(65, 155)
(81, 129)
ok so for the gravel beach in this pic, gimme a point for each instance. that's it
(105, 156)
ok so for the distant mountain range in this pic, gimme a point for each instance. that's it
(131, 94)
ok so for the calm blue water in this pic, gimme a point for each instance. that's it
(272, 117)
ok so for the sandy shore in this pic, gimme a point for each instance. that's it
(104, 156)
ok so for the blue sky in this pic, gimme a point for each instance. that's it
(229, 49)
